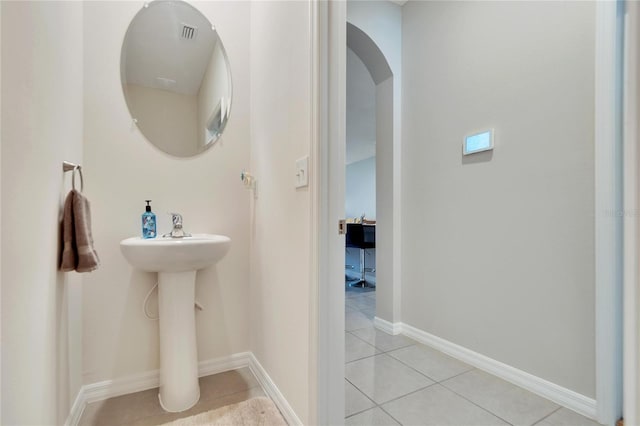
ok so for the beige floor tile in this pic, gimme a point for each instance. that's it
(355, 401)
(356, 320)
(430, 362)
(507, 401)
(381, 340)
(566, 417)
(218, 385)
(438, 406)
(122, 410)
(144, 407)
(356, 348)
(372, 417)
(383, 378)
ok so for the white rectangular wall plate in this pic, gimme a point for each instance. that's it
(302, 172)
(478, 142)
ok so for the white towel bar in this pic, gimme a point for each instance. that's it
(68, 166)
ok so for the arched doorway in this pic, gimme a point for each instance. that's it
(387, 247)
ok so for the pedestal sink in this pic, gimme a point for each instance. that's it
(176, 260)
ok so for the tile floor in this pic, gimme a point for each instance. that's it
(143, 408)
(393, 380)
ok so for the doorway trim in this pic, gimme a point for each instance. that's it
(328, 56)
(608, 224)
(328, 143)
(631, 185)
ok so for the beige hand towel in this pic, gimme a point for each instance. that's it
(69, 251)
(78, 253)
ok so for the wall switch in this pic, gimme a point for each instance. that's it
(302, 172)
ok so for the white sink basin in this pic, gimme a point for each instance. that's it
(175, 254)
(176, 260)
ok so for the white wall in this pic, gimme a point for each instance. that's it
(280, 222)
(499, 247)
(387, 287)
(361, 110)
(41, 127)
(382, 22)
(122, 169)
(169, 119)
(360, 189)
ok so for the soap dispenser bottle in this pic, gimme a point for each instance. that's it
(148, 222)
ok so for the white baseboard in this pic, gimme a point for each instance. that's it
(150, 379)
(558, 394)
(121, 386)
(273, 392)
(227, 363)
(386, 326)
(76, 409)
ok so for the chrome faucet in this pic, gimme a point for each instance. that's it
(177, 231)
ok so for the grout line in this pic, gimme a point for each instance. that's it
(435, 382)
(356, 360)
(382, 352)
(389, 414)
(358, 329)
(472, 402)
(359, 390)
(424, 374)
(360, 359)
(511, 384)
(387, 352)
(456, 375)
(395, 349)
(386, 402)
(355, 335)
(406, 394)
(411, 367)
(548, 415)
(360, 412)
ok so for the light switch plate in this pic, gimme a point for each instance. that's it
(302, 172)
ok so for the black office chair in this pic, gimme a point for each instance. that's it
(362, 237)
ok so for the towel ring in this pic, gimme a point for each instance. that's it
(73, 178)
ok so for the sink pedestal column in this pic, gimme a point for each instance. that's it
(179, 387)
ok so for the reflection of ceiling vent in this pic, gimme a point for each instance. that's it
(188, 32)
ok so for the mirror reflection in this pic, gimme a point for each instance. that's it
(176, 78)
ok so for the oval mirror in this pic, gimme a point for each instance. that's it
(176, 77)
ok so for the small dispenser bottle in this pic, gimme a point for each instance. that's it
(148, 222)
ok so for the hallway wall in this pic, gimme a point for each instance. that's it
(360, 110)
(41, 122)
(499, 247)
(360, 190)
